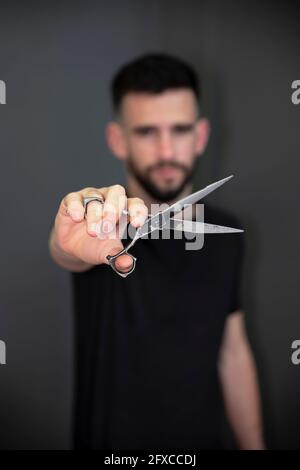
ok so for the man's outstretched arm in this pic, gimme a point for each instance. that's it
(240, 385)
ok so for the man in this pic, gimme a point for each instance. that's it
(156, 351)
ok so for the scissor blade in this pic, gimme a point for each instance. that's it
(194, 197)
(159, 220)
(190, 226)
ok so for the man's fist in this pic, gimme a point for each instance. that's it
(88, 239)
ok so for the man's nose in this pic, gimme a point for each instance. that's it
(166, 148)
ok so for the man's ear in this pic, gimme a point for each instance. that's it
(116, 140)
(202, 135)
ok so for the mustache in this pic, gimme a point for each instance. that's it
(143, 177)
(177, 165)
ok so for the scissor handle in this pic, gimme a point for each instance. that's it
(112, 262)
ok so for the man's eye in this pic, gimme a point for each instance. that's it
(182, 129)
(145, 131)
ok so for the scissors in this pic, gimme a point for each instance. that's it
(164, 219)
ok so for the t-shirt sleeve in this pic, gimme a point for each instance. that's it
(237, 301)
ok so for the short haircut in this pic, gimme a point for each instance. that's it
(153, 73)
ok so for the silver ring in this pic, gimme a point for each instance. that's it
(87, 200)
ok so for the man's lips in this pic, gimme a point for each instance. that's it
(166, 171)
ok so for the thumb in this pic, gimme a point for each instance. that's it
(124, 262)
(111, 247)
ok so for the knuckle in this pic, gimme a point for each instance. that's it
(92, 192)
(85, 190)
(70, 196)
(137, 205)
(119, 188)
(137, 201)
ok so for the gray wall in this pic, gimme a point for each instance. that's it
(57, 59)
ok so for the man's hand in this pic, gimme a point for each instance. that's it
(75, 243)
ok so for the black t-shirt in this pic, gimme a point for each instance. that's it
(147, 346)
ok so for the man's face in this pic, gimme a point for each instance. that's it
(161, 138)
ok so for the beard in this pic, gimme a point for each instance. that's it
(162, 195)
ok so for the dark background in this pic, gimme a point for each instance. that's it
(57, 59)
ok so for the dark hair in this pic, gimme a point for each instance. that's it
(153, 73)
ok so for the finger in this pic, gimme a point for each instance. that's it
(94, 210)
(115, 203)
(72, 206)
(138, 211)
(123, 263)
